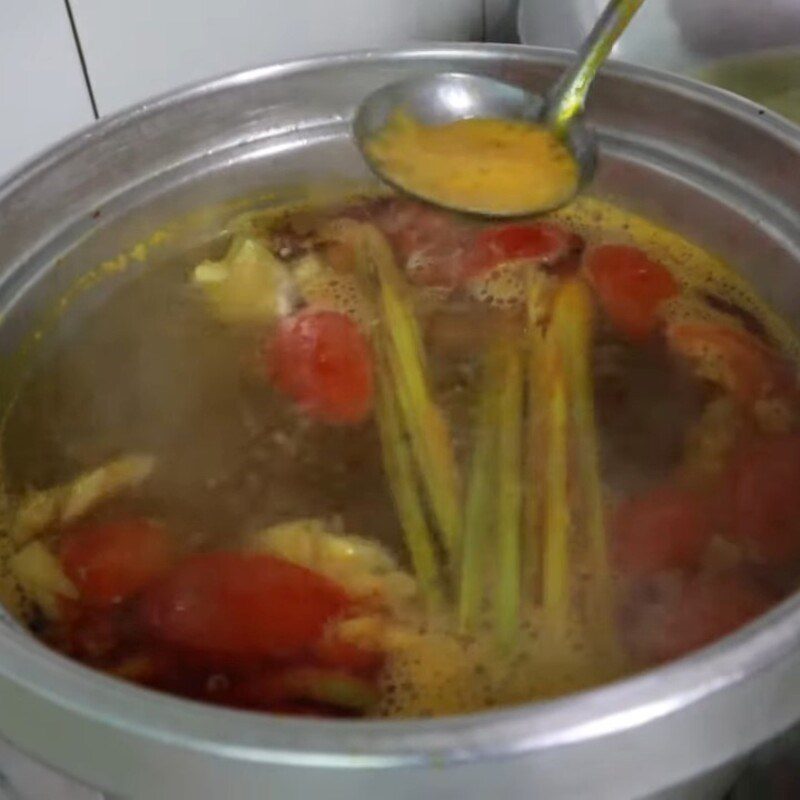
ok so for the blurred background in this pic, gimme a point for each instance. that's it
(64, 63)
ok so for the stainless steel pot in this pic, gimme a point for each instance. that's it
(712, 166)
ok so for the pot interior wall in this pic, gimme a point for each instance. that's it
(696, 170)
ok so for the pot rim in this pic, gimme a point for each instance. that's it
(579, 718)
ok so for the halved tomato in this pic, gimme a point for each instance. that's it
(110, 561)
(630, 286)
(665, 528)
(323, 361)
(542, 242)
(241, 605)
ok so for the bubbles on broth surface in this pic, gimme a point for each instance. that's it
(503, 287)
(436, 674)
(338, 291)
(152, 371)
(698, 271)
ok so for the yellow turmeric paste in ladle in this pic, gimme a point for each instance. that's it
(489, 166)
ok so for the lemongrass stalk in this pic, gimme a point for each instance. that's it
(372, 253)
(432, 448)
(480, 503)
(577, 302)
(509, 493)
(429, 433)
(399, 466)
(557, 514)
(575, 306)
(537, 303)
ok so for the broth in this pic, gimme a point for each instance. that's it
(488, 166)
(369, 458)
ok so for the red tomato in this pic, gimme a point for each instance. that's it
(323, 361)
(96, 634)
(87, 632)
(763, 506)
(733, 358)
(668, 527)
(241, 605)
(110, 561)
(543, 242)
(431, 244)
(630, 286)
(708, 608)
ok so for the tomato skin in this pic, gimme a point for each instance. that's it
(631, 287)
(739, 361)
(543, 242)
(665, 528)
(763, 499)
(708, 608)
(322, 361)
(241, 605)
(110, 561)
(438, 249)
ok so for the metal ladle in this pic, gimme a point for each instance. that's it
(446, 97)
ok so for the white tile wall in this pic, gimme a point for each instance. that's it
(501, 19)
(42, 92)
(137, 49)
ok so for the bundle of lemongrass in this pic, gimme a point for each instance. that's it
(532, 516)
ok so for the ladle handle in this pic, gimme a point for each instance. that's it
(566, 99)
